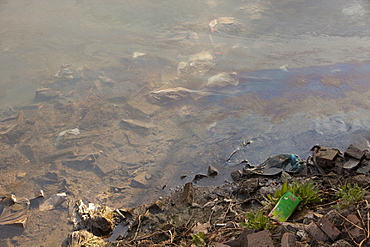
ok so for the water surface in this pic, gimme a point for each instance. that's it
(303, 69)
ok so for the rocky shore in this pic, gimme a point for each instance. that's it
(216, 216)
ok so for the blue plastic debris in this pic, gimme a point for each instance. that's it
(282, 162)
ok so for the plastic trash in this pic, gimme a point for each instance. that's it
(14, 211)
(53, 201)
(285, 207)
(278, 163)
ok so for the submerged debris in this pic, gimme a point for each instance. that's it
(53, 201)
(223, 79)
(14, 211)
(96, 219)
(60, 136)
(45, 93)
(177, 93)
(65, 72)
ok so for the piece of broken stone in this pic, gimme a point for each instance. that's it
(351, 163)
(242, 240)
(329, 228)
(316, 232)
(74, 131)
(236, 175)
(353, 152)
(45, 93)
(137, 126)
(355, 228)
(198, 177)
(364, 167)
(288, 240)
(325, 157)
(187, 196)
(140, 181)
(261, 238)
(212, 171)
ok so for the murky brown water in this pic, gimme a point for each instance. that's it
(303, 79)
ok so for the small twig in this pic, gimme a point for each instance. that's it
(210, 37)
(88, 94)
(368, 226)
(191, 216)
(138, 227)
(350, 235)
(327, 204)
(350, 222)
(244, 144)
(362, 221)
(171, 239)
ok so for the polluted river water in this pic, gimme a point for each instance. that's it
(287, 75)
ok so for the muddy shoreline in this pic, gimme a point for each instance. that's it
(217, 212)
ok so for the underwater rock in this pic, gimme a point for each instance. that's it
(198, 64)
(223, 79)
(45, 93)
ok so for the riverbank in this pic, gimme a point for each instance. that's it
(213, 216)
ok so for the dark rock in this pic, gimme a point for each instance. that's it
(353, 152)
(188, 194)
(288, 240)
(356, 233)
(260, 239)
(361, 180)
(341, 243)
(219, 245)
(364, 167)
(242, 240)
(198, 177)
(137, 184)
(236, 175)
(248, 186)
(212, 171)
(328, 227)
(325, 157)
(316, 232)
(44, 94)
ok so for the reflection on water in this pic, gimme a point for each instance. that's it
(143, 102)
